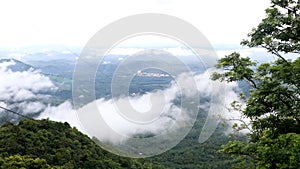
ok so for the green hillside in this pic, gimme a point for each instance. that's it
(49, 144)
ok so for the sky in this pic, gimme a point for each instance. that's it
(74, 22)
(70, 22)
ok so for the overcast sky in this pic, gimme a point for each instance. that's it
(70, 22)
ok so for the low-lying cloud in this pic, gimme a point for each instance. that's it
(62, 113)
(20, 89)
(115, 119)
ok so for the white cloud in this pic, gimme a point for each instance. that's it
(19, 88)
(156, 109)
(229, 95)
(3, 105)
(62, 113)
(23, 94)
(225, 94)
(106, 62)
(23, 86)
(29, 80)
(31, 107)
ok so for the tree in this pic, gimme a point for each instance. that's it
(273, 105)
(49, 144)
(18, 162)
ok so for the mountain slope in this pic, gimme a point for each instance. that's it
(18, 65)
(59, 145)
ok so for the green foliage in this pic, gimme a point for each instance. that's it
(273, 105)
(236, 68)
(281, 152)
(280, 30)
(268, 152)
(190, 154)
(23, 162)
(44, 143)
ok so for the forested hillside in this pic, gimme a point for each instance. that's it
(48, 144)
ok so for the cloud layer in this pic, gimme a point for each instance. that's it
(20, 89)
(124, 121)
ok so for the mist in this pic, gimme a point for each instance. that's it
(158, 112)
(119, 124)
(20, 90)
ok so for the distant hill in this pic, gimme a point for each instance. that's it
(17, 101)
(59, 67)
(18, 66)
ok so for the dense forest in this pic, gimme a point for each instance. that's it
(48, 144)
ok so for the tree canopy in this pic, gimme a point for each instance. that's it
(48, 144)
(273, 105)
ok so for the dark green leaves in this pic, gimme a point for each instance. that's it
(235, 68)
(280, 30)
(44, 143)
(274, 104)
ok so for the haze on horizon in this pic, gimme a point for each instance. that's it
(75, 22)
